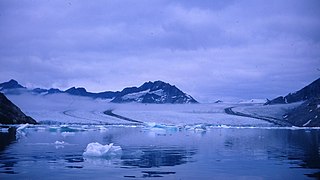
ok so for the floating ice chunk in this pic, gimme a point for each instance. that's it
(59, 143)
(22, 127)
(224, 126)
(4, 130)
(150, 124)
(65, 134)
(198, 127)
(20, 130)
(54, 129)
(162, 127)
(102, 128)
(98, 150)
(66, 128)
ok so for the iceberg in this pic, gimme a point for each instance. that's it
(197, 127)
(21, 130)
(59, 143)
(22, 127)
(162, 127)
(98, 150)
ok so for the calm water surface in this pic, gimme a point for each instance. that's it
(55, 152)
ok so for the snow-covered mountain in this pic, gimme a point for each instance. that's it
(309, 92)
(154, 92)
(150, 92)
(308, 113)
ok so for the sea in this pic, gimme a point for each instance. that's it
(158, 151)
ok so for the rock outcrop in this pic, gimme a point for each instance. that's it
(11, 114)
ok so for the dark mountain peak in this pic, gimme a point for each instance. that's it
(156, 85)
(13, 81)
(12, 84)
(308, 92)
(153, 92)
(77, 91)
(54, 90)
(39, 90)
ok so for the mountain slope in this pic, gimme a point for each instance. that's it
(305, 115)
(310, 91)
(11, 114)
(154, 92)
(83, 92)
(308, 113)
(12, 84)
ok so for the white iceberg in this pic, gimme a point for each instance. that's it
(21, 130)
(22, 127)
(98, 150)
(59, 143)
(162, 127)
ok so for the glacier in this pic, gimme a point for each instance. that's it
(61, 109)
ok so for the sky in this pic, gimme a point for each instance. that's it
(210, 49)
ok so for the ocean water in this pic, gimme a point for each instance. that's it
(159, 152)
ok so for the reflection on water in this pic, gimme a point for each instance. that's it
(157, 157)
(219, 152)
(7, 137)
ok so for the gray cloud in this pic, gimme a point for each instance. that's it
(211, 49)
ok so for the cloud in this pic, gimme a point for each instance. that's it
(209, 49)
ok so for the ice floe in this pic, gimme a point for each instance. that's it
(98, 150)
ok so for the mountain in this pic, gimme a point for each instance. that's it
(11, 114)
(308, 113)
(83, 92)
(310, 91)
(150, 92)
(13, 87)
(305, 115)
(12, 84)
(153, 92)
(78, 92)
(46, 91)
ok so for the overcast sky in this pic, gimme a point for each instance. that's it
(211, 49)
